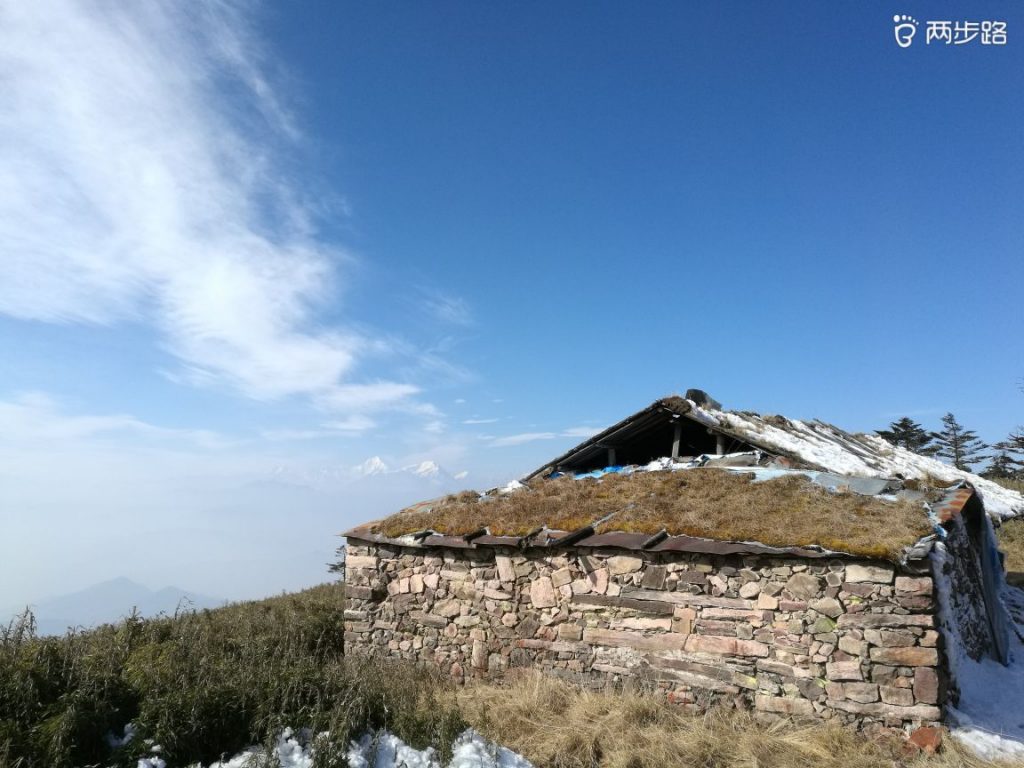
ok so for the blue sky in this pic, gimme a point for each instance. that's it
(249, 243)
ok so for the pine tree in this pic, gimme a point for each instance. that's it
(908, 434)
(1014, 443)
(1003, 466)
(961, 446)
(1012, 448)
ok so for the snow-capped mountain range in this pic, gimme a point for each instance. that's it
(323, 478)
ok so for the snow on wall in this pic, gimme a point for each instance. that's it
(986, 708)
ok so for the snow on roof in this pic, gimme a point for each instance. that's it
(830, 448)
(692, 425)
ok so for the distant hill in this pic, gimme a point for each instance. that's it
(109, 601)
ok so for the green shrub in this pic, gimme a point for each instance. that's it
(206, 684)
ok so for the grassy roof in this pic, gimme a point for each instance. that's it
(709, 503)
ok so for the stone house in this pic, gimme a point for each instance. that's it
(720, 557)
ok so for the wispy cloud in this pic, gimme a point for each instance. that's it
(447, 309)
(480, 421)
(520, 439)
(349, 426)
(530, 437)
(581, 431)
(139, 180)
(37, 418)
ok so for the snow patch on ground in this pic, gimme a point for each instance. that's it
(380, 749)
(470, 750)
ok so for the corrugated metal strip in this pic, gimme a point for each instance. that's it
(611, 540)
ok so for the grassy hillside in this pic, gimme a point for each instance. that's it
(204, 684)
(207, 684)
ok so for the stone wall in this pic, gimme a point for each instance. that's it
(837, 639)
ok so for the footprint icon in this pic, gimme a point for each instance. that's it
(906, 28)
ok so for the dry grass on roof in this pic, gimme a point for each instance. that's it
(710, 503)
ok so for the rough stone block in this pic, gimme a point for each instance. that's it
(428, 619)
(358, 593)
(785, 670)
(906, 657)
(725, 646)
(828, 606)
(680, 598)
(783, 705)
(875, 620)
(750, 589)
(803, 586)
(528, 627)
(666, 641)
(448, 608)
(917, 713)
(641, 624)
(927, 738)
(914, 586)
(580, 587)
(682, 620)
(570, 632)
(865, 693)
(844, 670)
(595, 602)
(733, 614)
(506, 571)
(870, 573)
(479, 655)
(619, 565)
(900, 697)
(926, 685)
(598, 580)
(853, 646)
(542, 593)
(358, 562)
(561, 577)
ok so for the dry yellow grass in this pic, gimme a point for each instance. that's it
(1011, 542)
(555, 725)
(1011, 538)
(710, 503)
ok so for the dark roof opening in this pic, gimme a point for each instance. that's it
(655, 432)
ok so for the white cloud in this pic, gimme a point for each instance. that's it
(138, 181)
(530, 437)
(520, 439)
(448, 309)
(36, 418)
(479, 421)
(371, 397)
(355, 423)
